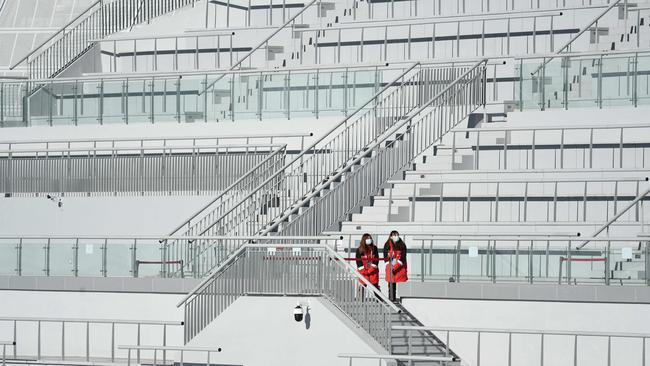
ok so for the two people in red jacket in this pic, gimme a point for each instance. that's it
(367, 257)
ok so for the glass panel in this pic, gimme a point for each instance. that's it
(33, 257)
(8, 256)
(302, 94)
(148, 257)
(90, 257)
(113, 101)
(617, 80)
(275, 96)
(61, 257)
(119, 258)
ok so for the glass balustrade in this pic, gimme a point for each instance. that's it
(191, 98)
(584, 81)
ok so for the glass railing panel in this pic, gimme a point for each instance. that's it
(528, 90)
(362, 85)
(138, 98)
(61, 257)
(617, 77)
(192, 104)
(302, 95)
(582, 79)
(553, 84)
(643, 79)
(33, 257)
(113, 102)
(88, 102)
(331, 92)
(274, 99)
(119, 258)
(149, 256)
(8, 256)
(220, 101)
(164, 99)
(246, 91)
(90, 257)
(474, 262)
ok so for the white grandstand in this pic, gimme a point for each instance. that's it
(187, 181)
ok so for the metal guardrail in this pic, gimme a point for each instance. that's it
(136, 170)
(165, 349)
(429, 38)
(85, 350)
(300, 269)
(405, 358)
(583, 80)
(544, 337)
(579, 199)
(588, 140)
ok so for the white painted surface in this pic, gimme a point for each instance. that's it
(261, 331)
(130, 216)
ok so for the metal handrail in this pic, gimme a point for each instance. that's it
(62, 29)
(226, 191)
(431, 20)
(396, 357)
(521, 331)
(142, 148)
(299, 157)
(582, 31)
(338, 258)
(373, 144)
(97, 321)
(157, 238)
(537, 180)
(582, 53)
(169, 348)
(163, 139)
(558, 128)
(616, 217)
(166, 36)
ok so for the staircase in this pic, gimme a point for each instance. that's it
(306, 270)
(102, 18)
(371, 145)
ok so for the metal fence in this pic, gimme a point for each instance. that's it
(96, 342)
(541, 347)
(102, 18)
(299, 269)
(576, 147)
(137, 170)
(539, 199)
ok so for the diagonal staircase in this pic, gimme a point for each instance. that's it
(377, 129)
(101, 19)
(307, 270)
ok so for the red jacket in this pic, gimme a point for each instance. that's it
(397, 265)
(367, 263)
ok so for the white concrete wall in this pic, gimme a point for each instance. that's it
(130, 216)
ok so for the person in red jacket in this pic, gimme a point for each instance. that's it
(367, 257)
(396, 268)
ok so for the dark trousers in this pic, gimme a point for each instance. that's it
(363, 290)
(392, 291)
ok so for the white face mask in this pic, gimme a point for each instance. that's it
(368, 241)
(395, 238)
